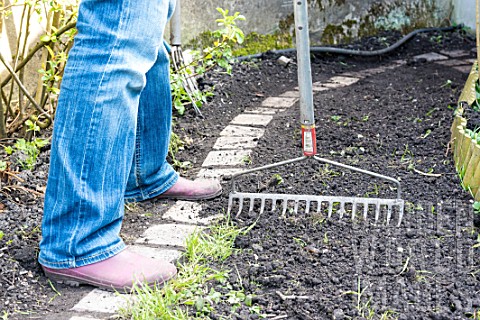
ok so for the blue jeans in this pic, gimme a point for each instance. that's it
(112, 130)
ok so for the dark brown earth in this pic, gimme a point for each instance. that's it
(302, 266)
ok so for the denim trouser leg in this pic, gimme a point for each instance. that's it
(104, 108)
(151, 175)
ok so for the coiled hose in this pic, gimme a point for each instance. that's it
(361, 53)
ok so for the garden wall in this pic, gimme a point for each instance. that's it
(331, 21)
(464, 12)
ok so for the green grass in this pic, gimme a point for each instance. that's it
(192, 294)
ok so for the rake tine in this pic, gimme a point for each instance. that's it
(307, 207)
(377, 213)
(389, 214)
(342, 209)
(365, 211)
(354, 209)
(262, 206)
(400, 216)
(252, 202)
(274, 204)
(285, 203)
(295, 210)
(240, 206)
(319, 206)
(330, 209)
(230, 203)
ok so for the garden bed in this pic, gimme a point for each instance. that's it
(465, 140)
(304, 267)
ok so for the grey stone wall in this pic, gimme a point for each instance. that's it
(331, 21)
(464, 12)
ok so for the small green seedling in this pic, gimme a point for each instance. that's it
(300, 242)
(448, 83)
(336, 118)
(247, 160)
(325, 238)
(277, 178)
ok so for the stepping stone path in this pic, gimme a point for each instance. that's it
(231, 150)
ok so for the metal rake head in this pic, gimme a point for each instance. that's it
(328, 205)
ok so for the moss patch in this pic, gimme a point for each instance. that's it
(254, 42)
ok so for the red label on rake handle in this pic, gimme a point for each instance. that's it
(309, 141)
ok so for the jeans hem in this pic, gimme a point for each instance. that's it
(80, 262)
(157, 190)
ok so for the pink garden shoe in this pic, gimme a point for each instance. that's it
(200, 189)
(121, 272)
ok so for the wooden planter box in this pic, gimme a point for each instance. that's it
(466, 152)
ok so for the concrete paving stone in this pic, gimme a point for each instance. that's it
(430, 57)
(268, 111)
(452, 62)
(188, 212)
(374, 71)
(463, 69)
(395, 65)
(279, 102)
(169, 255)
(290, 94)
(226, 158)
(400, 62)
(102, 301)
(235, 143)
(252, 119)
(330, 85)
(168, 234)
(217, 173)
(354, 74)
(242, 131)
(344, 81)
(319, 87)
(455, 53)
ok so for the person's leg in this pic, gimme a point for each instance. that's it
(151, 175)
(95, 129)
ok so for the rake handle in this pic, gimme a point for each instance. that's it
(176, 25)
(309, 143)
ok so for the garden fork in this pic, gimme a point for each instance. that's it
(178, 59)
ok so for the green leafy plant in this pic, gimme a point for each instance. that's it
(220, 54)
(2, 234)
(476, 103)
(247, 160)
(476, 207)
(27, 151)
(277, 178)
(177, 144)
(474, 134)
(336, 118)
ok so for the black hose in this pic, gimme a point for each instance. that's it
(350, 52)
